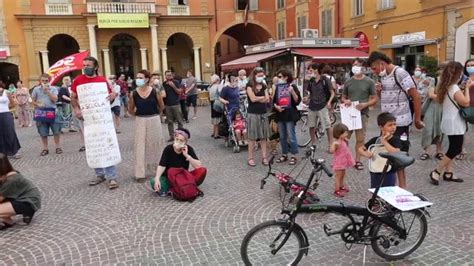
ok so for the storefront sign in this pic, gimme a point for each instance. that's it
(363, 41)
(128, 20)
(3, 54)
(410, 37)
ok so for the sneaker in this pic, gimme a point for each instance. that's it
(112, 184)
(194, 118)
(163, 194)
(96, 180)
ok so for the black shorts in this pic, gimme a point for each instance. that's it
(404, 135)
(192, 100)
(23, 208)
(116, 110)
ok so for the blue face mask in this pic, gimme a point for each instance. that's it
(140, 82)
(470, 70)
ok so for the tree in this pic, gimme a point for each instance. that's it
(430, 63)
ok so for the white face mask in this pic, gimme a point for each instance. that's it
(383, 73)
(423, 75)
(356, 70)
(156, 82)
(259, 79)
(417, 73)
(178, 144)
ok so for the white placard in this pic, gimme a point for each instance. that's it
(102, 149)
(400, 198)
(350, 116)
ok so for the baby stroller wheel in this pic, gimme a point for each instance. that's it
(236, 149)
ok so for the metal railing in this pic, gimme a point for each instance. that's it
(121, 7)
(58, 9)
(178, 10)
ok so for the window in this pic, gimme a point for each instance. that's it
(179, 2)
(301, 23)
(326, 23)
(280, 4)
(357, 7)
(386, 4)
(281, 30)
(241, 4)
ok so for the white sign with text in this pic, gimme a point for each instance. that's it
(102, 149)
(350, 116)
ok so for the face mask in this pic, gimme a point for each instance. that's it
(89, 71)
(259, 79)
(156, 82)
(470, 70)
(178, 144)
(243, 78)
(383, 73)
(140, 82)
(280, 81)
(356, 70)
(417, 73)
(423, 75)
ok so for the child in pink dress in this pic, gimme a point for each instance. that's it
(343, 158)
(239, 127)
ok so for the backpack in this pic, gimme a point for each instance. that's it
(325, 82)
(183, 184)
(410, 99)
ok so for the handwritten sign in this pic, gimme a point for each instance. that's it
(350, 116)
(102, 149)
(401, 199)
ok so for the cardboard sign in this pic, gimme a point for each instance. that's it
(102, 149)
(283, 95)
(350, 116)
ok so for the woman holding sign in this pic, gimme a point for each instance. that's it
(285, 100)
(146, 104)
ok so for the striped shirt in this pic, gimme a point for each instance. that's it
(395, 101)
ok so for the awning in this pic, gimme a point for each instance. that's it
(249, 61)
(414, 43)
(331, 54)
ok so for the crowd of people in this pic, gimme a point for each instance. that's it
(430, 104)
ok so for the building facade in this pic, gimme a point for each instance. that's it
(129, 35)
(407, 29)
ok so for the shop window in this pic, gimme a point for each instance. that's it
(326, 23)
(281, 30)
(386, 4)
(357, 7)
(301, 25)
(280, 4)
(241, 4)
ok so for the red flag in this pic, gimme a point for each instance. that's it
(246, 14)
(65, 65)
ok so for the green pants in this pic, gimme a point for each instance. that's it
(164, 183)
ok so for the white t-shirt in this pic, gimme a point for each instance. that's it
(4, 102)
(452, 123)
(116, 89)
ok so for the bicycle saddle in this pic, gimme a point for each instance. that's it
(398, 159)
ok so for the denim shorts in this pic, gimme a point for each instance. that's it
(43, 128)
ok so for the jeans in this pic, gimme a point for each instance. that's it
(287, 132)
(110, 173)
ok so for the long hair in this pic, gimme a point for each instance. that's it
(5, 165)
(449, 77)
(252, 78)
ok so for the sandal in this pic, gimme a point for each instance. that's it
(83, 148)
(59, 151)
(434, 181)
(460, 156)
(282, 158)
(4, 225)
(293, 161)
(448, 176)
(251, 162)
(274, 152)
(44, 152)
(339, 193)
(112, 184)
(97, 180)
(265, 162)
(439, 156)
(345, 189)
(425, 156)
(359, 166)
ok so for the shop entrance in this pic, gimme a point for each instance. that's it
(9, 73)
(408, 57)
(125, 54)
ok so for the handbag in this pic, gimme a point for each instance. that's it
(218, 106)
(44, 114)
(377, 163)
(467, 113)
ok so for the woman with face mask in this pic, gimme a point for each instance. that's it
(257, 120)
(146, 104)
(423, 82)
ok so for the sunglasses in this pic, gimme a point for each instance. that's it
(280, 76)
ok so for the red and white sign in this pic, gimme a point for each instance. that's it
(65, 65)
(363, 41)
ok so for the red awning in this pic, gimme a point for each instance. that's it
(330, 53)
(249, 61)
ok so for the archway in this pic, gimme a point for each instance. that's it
(231, 42)
(60, 46)
(125, 54)
(9, 73)
(180, 53)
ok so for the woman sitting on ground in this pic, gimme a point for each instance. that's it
(18, 195)
(177, 155)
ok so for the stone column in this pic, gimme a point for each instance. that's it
(92, 40)
(164, 57)
(45, 59)
(155, 52)
(106, 62)
(144, 59)
(197, 63)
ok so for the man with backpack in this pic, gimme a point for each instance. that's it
(318, 94)
(398, 96)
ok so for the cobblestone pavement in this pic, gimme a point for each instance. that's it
(79, 224)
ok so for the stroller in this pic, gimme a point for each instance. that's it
(228, 119)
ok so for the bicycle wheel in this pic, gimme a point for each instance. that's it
(302, 132)
(257, 246)
(387, 243)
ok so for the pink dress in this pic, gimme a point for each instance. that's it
(342, 157)
(239, 124)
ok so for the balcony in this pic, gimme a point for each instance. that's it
(108, 7)
(178, 10)
(58, 9)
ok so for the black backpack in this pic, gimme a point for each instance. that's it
(325, 82)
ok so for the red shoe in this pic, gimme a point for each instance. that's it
(339, 193)
(345, 189)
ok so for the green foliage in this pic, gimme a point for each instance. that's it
(430, 63)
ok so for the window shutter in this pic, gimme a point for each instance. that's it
(253, 5)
